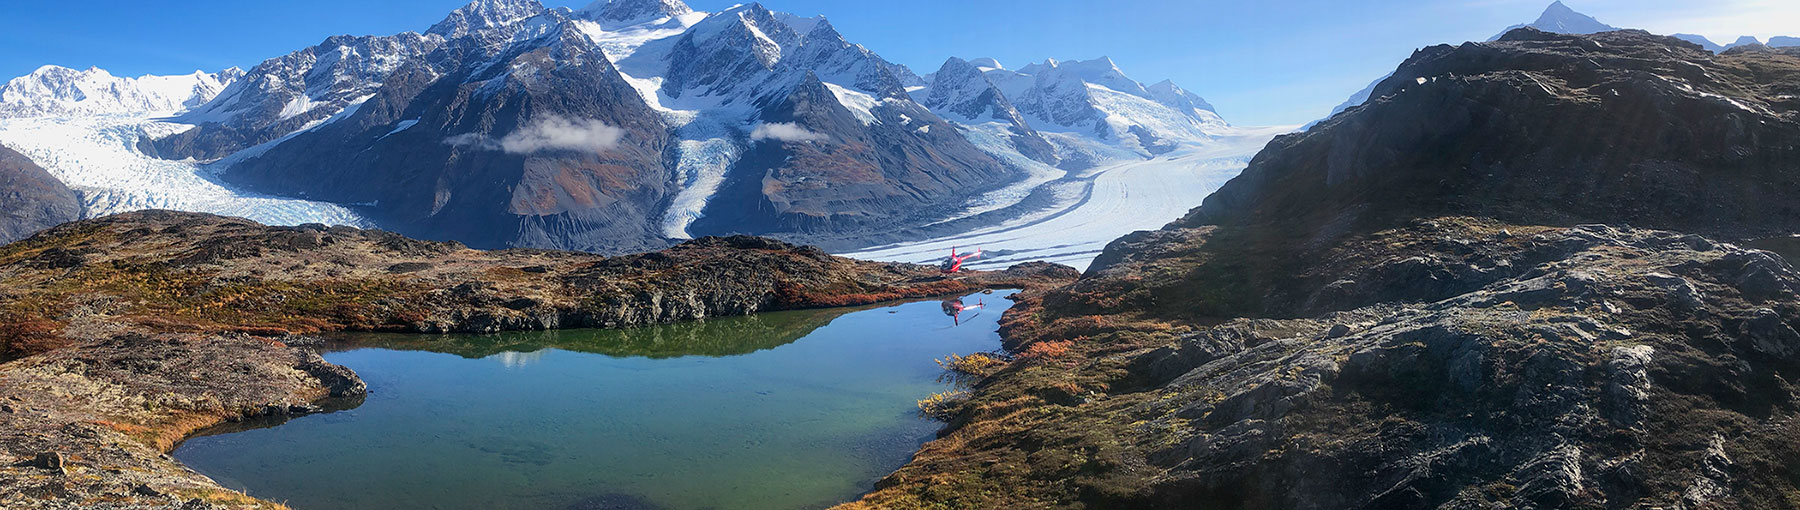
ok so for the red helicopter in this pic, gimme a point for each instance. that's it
(955, 262)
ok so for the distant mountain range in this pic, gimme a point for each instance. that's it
(622, 126)
(1779, 41)
(60, 91)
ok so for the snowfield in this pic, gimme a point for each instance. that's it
(1106, 203)
(98, 158)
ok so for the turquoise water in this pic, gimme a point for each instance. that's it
(777, 411)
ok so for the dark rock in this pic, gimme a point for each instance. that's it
(408, 267)
(47, 460)
(31, 199)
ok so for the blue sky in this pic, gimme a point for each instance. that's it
(1259, 62)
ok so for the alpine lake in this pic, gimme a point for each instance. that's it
(783, 410)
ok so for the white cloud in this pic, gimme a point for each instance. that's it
(549, 132)
(786, 132)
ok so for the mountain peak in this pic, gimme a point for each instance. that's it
(1172, 95)
(1559, 18)
(481, 15)
(620, 11)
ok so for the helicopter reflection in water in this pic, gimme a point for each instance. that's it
(955, 308)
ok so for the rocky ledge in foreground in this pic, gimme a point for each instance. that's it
(1498, 366)
(86, 426)
(122, 335)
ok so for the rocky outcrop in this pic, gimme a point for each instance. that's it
(1576, 367)
(86, 426)
(1542, 128)
(1432, 301)
(31, 199)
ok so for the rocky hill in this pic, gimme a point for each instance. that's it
(30, 198)
(1433, 301)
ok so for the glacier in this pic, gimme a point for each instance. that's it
(97, 157)
(1098, 206)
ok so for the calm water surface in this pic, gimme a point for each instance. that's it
(777, 411)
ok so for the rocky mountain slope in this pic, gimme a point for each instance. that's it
(31, 199)
(289, 93)
(1557, 18)
(535, 142)
(1392, 310)
(1442, 138)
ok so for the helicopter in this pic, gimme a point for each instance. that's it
(955, 262)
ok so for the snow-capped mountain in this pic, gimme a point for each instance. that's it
(1090, 109)
(683, 123)
(625, 124)
(61, 91)
(486, 21)
(289, 93)
(1561, 19)
(543, 144)
(962, 91)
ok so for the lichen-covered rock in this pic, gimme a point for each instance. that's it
(91, 421)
